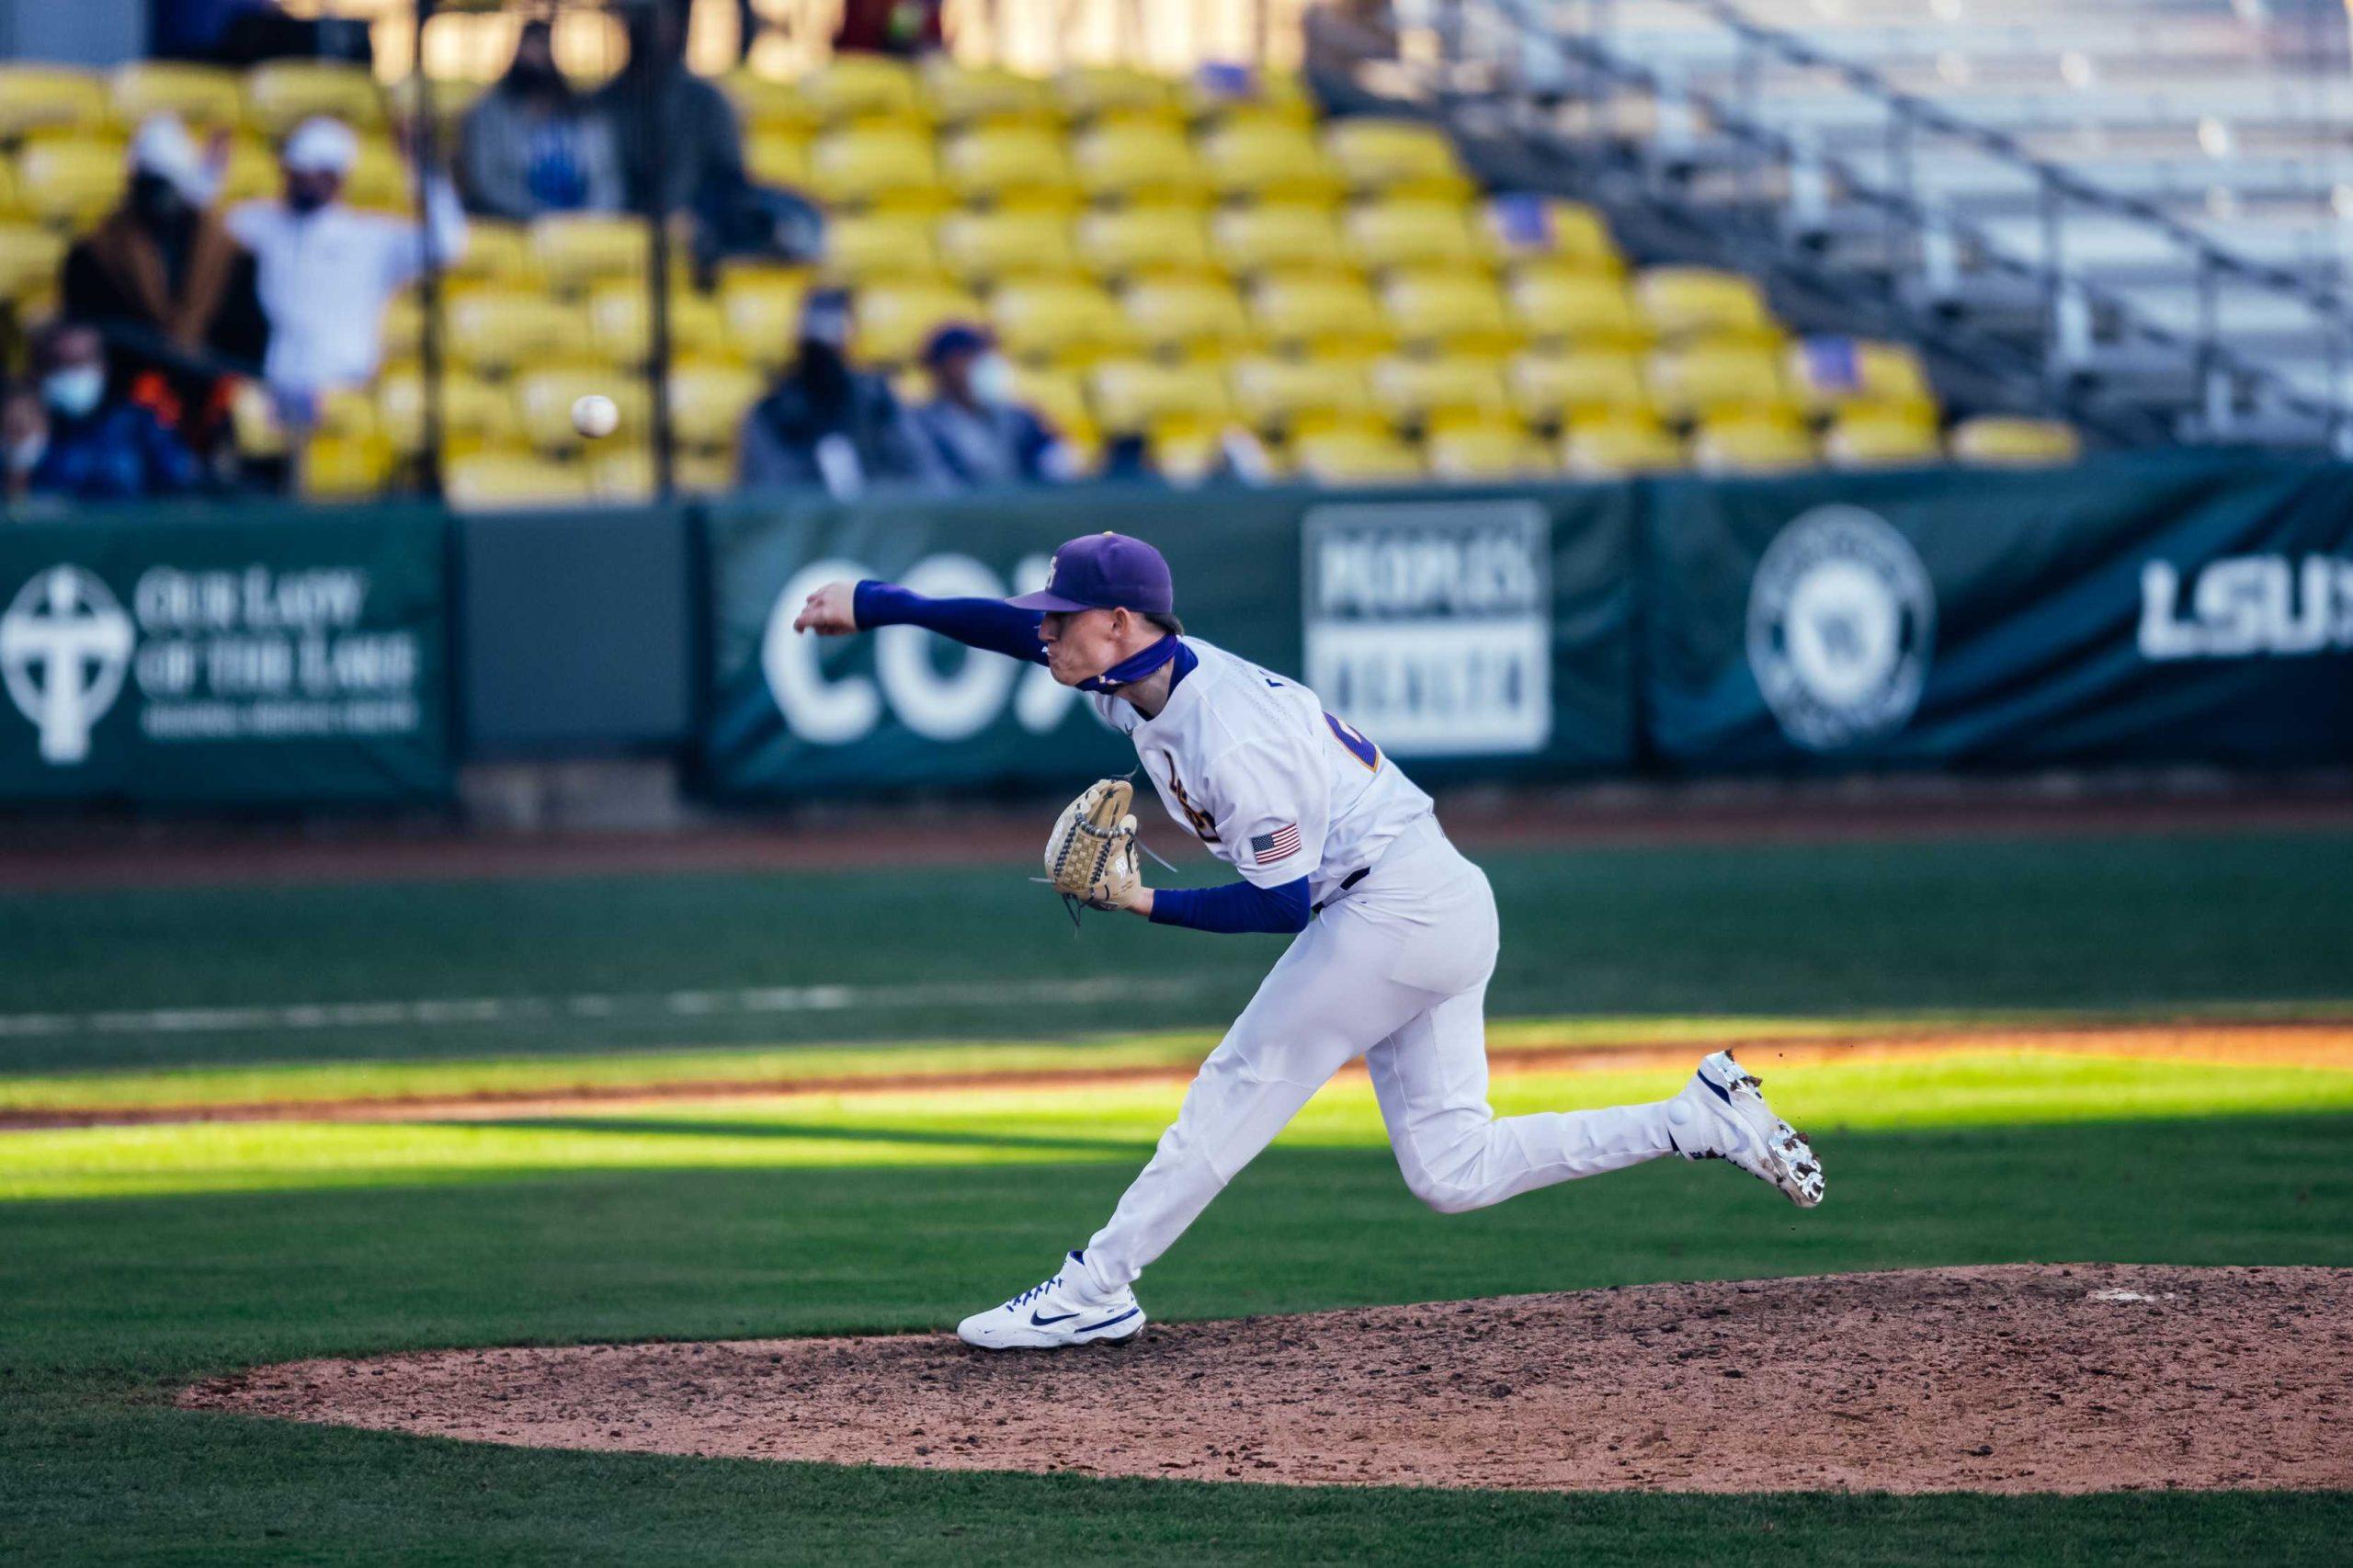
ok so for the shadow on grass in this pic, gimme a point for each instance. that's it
(824, 1133)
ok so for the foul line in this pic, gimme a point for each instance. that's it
(752, 1002)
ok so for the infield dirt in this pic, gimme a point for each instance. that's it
(2011, 1378)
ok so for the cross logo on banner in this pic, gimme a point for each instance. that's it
(65, 646)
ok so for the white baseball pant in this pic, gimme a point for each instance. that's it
(1395, 971)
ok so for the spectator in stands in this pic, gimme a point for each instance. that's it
(94, 447)
(172, 292)
(902, 27)
(532, 145)
(692, 154)
(24, 441)
(328, 272)
(977, 433)
(827, 424)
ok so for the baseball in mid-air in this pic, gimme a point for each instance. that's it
(595, 415)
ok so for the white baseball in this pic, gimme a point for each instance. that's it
(595, 415)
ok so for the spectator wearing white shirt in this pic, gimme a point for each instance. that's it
(327, 271)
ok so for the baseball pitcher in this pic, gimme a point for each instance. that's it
(1397, 933)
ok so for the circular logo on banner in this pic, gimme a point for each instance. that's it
(64, 644)
(1840, 622)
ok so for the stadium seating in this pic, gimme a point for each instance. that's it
(2022, 443)
(1176, 257)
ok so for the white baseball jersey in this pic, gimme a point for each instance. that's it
(1273, 785)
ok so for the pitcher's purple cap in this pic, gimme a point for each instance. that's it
(1105, 571)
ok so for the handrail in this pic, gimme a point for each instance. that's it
(1911, 114)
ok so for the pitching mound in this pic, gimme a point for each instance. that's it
(2001, 1379)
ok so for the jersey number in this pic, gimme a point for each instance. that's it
(1348, 735)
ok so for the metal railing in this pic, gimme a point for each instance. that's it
(1570, 50)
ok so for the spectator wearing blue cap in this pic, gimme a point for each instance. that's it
(977, 433)
(827, 423)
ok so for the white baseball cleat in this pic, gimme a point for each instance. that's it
(1721, 1115)
(1058, 1313)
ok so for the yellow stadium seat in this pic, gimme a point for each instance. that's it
(1224, 91)
(1273, 235)
(1419, 232)
(29, 257)
(1350, 455)
(1452, 309)
(1555, 386)
(864, 86)
(1136, 163)
(281, 94)
(875, 166)
(768, 104)
(977, 95)
(1276, 393)
(762, 310)
(1132, 241)
(544, 397)
(1870, 438)
(343, 414)
(493, 480)
(379, 179)
(895, 315)
(1580, 308)
(473, 412)
(497, 253)
(1483, 451)
(776, 156)
(344, 467)
(1058, 396)
(1085, 92)
(1832, 374)
(49, 97)
(453, 97)
(1412, 391)
(1058, 319)
(71, 182)
(1197, 317)
(1685, 302)
(1564, 235)
(2023, 443)
(1146, 395)
(861, 247)
(206, 97)
(1401, 156)
(618, 473)
(1011, 164)
(1707, 379)
(401, 336)
(575, 249)
(1620, 445)
(1332, 311)
(1752, 443)
(980, 247)
(708, 400)
(620, 323)
(252, 173)
(1262, 161)
(495, 330)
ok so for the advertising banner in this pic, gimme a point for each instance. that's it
(2180, 609)
(1479, 631)
(225, 657)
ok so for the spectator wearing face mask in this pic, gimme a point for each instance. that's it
(94, 447)
(532, 145)
(327, 271)
(171, 290)
(978, 435)
(828, 424)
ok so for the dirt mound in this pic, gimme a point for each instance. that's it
(2017, 1379)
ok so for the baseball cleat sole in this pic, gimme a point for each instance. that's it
(1752, 1137)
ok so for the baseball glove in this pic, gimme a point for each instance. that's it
(1091, 854)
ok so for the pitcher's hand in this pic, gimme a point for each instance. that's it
(832, 611)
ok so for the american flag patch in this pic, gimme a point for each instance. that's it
(1280, 845)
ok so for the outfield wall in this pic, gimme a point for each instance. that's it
(2183, 608)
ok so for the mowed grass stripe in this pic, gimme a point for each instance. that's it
(1090, 1123)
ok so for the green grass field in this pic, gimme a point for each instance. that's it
(135, 1259)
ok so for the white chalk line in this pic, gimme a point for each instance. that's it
(441, 1013)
